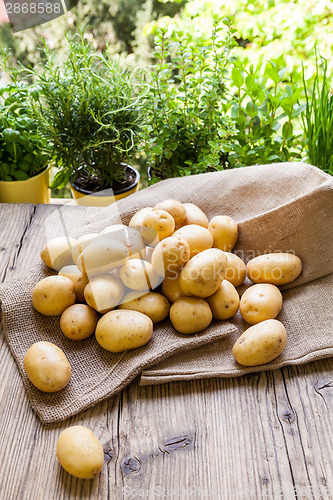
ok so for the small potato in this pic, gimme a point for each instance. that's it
(52, 295)
(203, 274)
(81, 244)
(79, 452)
(138, 274)
(274, 268)
(102, 256)
(194, 215)
(235, 271)
(174, 208)
(137, 220)
(197, 237)
(170, 255)
(153, 305)
(103, 293)
(79, 280)
(47, 367)
(57, 252)
(224, 302)
(224, 231)
(190, 315)
(260, 343)
(122, 330)
(156, 225)
(171, 288)
(128, 236)
(78, 322)
(260, 302)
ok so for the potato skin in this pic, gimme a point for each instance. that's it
(235, 271)
(78, 321)
(79, 452)
(137, 219)
(102, 256)
(224, 302)
(156, 225)
(170, 255)
(122, 330)
(128, 236)
(82, 243)
(194, 215)
(260, 302)
(171, 288)
(52, 295)
(274, 268)
(103, 293)
(190, 315)
(174, 208)
(260, 343)
(197, 237)
(139, 275)
(224, 231)
(57, 252)
(47, 367)
(79, 280)
(203, 274)
(154, 305)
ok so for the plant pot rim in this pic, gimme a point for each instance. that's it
(117, 192)
(48, 167)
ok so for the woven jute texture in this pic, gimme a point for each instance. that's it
(281, 207)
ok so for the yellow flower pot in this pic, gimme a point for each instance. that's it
(34, 190)
(106, 197)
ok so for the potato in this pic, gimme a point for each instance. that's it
(171, 288)
(52, 295)
(174, 208)
(79, 452)
(224, 302)
(156, 225)
(224, 231)
(138, 274)
(235, 271)
(78, 322)
(170, 255)
(47, 367)
(119, 229)
(148, 253)
(81, 244)
(203, 274)
(103, 293)
(153, 305)
(122, 330)
(78, 279)
(57, 252)
(128, 236)
(260, 302)
(137, 219)
(194, 215)
(102, 256)
(197, 237)
(190, 315)
(274, 268)
(260, 343)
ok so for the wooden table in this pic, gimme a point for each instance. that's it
(266, 435)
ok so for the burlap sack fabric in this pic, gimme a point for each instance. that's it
(282, 207)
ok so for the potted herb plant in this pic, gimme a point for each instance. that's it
(89, 111)
(24, 163)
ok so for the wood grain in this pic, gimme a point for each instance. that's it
(262, 436)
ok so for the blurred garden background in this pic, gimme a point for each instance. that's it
(278, 71)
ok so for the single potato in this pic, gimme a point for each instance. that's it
(47, 367)
(235, 271)
(224, 302)
(128, 236)
(260, 302)
(203, 274)
(102, 256)
(194, 215)
(274, 268)
(78, 321)
(190, 315)
(156, 225)
(138, 275)
(153, 305)
(224, 231)
(170, 255)
(174, 208)
(79, 280)
(57, 252)
(197, 237)
(122, 330)
(80, 452)
(82, 243)
(260, 343)
(171, 288)
(137, 220)
(52, 295)
(103, 293)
